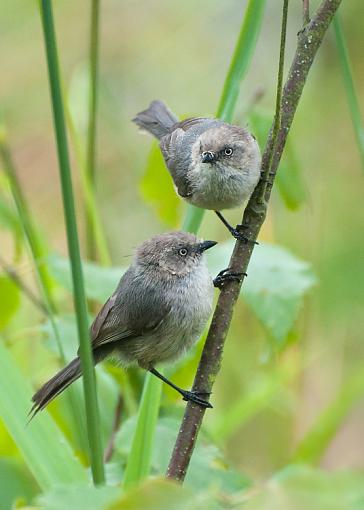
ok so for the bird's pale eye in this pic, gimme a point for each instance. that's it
(183, 252)
(228, 151)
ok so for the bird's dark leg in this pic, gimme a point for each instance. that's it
(227, 275)
(192, 396)
(235, 231)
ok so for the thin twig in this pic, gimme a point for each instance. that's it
(277, 115)
(306, 12)
(309, 41)
(14, 276)
(109, 450)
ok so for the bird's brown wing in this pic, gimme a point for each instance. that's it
(133, 310)
(101, 317)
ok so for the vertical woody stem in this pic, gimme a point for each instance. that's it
(309, 41)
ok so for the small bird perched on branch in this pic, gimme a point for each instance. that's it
(158, 311)
(214, 165)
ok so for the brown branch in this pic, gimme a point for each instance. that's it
(306, 12)
(109, 450)
(309, 40)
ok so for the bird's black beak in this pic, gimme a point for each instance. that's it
(205, 245)
(208, 157)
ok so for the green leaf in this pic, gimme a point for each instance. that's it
(15, 483)
(157, 188)
(43, 446)
(275, 286)
(289, 180)
(100, 282)
(155, 494)
(207, 469)
(9, 299)
(79, 497)
(303, 488)
(162, 494)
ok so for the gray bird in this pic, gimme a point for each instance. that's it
(214, 165)
(158, 311)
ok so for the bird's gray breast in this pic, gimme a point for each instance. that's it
(190, 301)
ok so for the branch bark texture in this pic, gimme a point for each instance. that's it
(309, 41)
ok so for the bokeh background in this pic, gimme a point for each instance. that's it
(180, 52)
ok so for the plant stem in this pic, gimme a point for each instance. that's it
(351, 95)
(38, 252)
(277, 115)
(306, 12)
(91, 131)
(241, 59)
(13, 275)
(309, 41)
(139, 460)
(88, 372)
(239, 65)
(238, 68)
(91, 210)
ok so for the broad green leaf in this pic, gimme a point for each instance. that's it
(207, 468)
(155, 494)
(289, 181)
(162, 494)
(78, 497)
(100, 282)
(157, 188)
(15, 483)
(9, 299)
(303, 488)
(44, 448)
(275, 286)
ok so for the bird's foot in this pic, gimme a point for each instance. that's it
(195, 396)
(226, 275)
(237, 234)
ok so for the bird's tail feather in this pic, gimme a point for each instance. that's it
(55, 386)
(156, 119)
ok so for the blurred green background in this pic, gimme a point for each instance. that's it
(179, 52)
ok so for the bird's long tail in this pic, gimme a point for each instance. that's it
(55, 386)
(156, 119)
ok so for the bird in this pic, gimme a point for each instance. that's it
(214, 165)
(157, 312)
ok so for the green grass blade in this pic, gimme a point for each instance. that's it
(38, 251)
(242, 56)
(91, 210)
(39, 254)
(314, 444)
(141, 450)
(239, 65)
(90, 173)
(351, 95)
(88, 371)
(44, 448)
